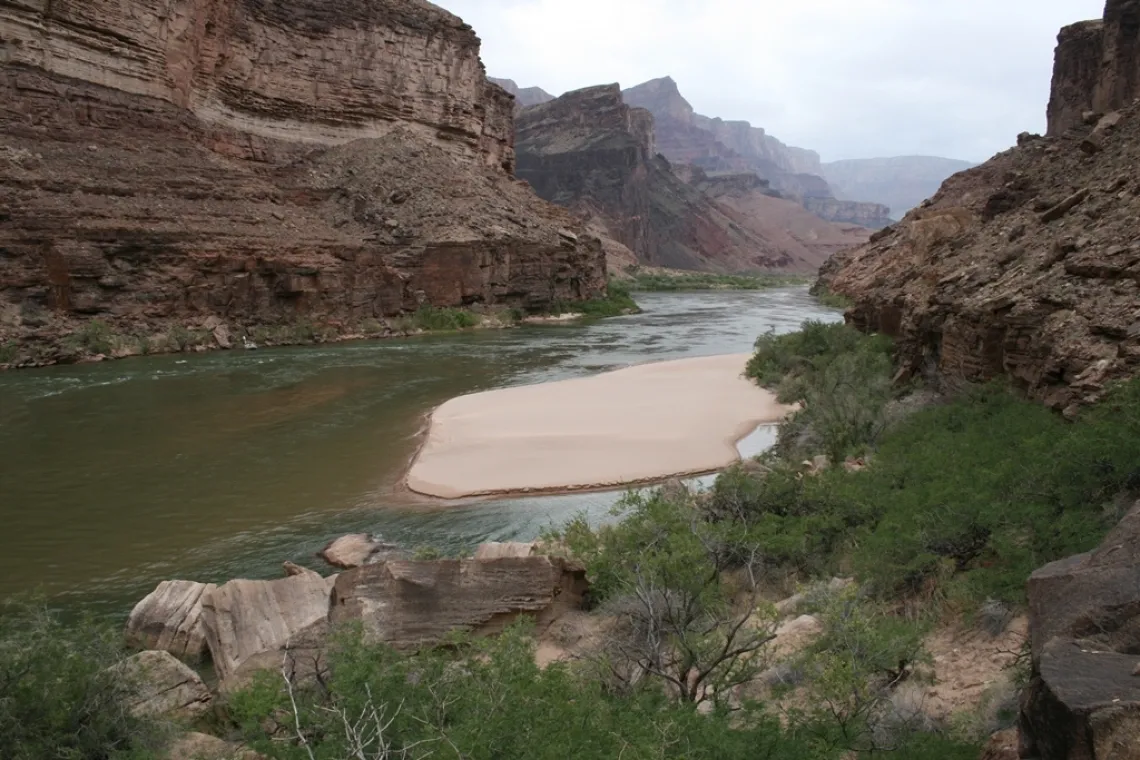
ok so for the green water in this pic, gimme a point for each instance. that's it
(212, 466)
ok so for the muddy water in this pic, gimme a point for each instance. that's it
(115, 476)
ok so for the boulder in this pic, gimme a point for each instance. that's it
(163, 686)
(292, 569)
(1082, 702)
(170, 619)
(1001, 746)
(358, 549)
(249, 624)
(409, 604)
(196, 746)
(496, 550)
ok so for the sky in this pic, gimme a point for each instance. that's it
(847, 78)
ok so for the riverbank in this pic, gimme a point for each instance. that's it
(660, 280)
(634, 425)
(76, 341)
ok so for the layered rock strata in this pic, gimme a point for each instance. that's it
(734, 147)
(1097, 66)
(238, 163)
(591, 152)
(1026, 267)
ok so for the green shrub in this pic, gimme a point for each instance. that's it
(487, 700)
(9, 351)
(827, 298)
(676, 281)
(617, 302)
(94, 337)
(436, 319)
(58, 698)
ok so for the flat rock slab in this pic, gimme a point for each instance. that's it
(165, 686)
(411, 604)
(637, 424)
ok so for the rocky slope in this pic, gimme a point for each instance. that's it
(524, 96)
(240, 163)
(900, 182)
(589, 151)
(735, 147)
(1027, 266)
(1097, 66)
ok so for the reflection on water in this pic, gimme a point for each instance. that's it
(117, 475)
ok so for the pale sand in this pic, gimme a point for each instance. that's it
(634, 425)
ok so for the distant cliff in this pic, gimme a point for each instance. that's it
(218, 163)
(732, 147)
(1028, 265)
(1097, 66)
(900, 182)
(589, 151)
(524, 96)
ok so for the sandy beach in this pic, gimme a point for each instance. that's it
(632, 425)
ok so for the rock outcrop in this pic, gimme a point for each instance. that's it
(169, 619)
(735, 147)
(1083, 702)
(524, 96)
(1097, 66)
(873, 216)
(164, 687)
(1026, 267)
(220, 166)
(411, 604)
(591, 152)
(899, 183)
(250, 623)
(358, 549)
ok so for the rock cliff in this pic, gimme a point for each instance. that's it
(1027, 266)
(589, 151)
(524, 96)
(234, 163)
(1097, 66)
(899, 183)
(735, 147)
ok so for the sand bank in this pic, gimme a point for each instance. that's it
(632, 425)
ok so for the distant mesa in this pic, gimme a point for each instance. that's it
(900, 182)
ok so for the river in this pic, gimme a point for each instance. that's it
(212, 466)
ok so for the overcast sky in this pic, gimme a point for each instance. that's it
(848, 78)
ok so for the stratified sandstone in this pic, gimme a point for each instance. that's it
(591, 152)
(412, 604)
(230, 164)
(1097, 66)
(161, 686)
(1026, 267)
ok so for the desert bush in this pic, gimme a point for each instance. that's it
(9, 351)
(58, 697)
(94, 337)
(484, 699)
(436, 319)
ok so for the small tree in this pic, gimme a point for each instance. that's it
(663, 572)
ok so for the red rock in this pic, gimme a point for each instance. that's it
(243, 156)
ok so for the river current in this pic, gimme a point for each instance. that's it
(213, 466)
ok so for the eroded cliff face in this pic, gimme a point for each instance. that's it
(1097, 66)
(735, 147)
(1026, 267)
(196, 163)
(589, 151)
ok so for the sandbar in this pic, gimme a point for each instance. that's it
(633, 425)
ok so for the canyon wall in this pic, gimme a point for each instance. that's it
(524, 96)
(591, 152)
(196, 163)
(1097, 66)
(1026, 267)
(734, 147)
